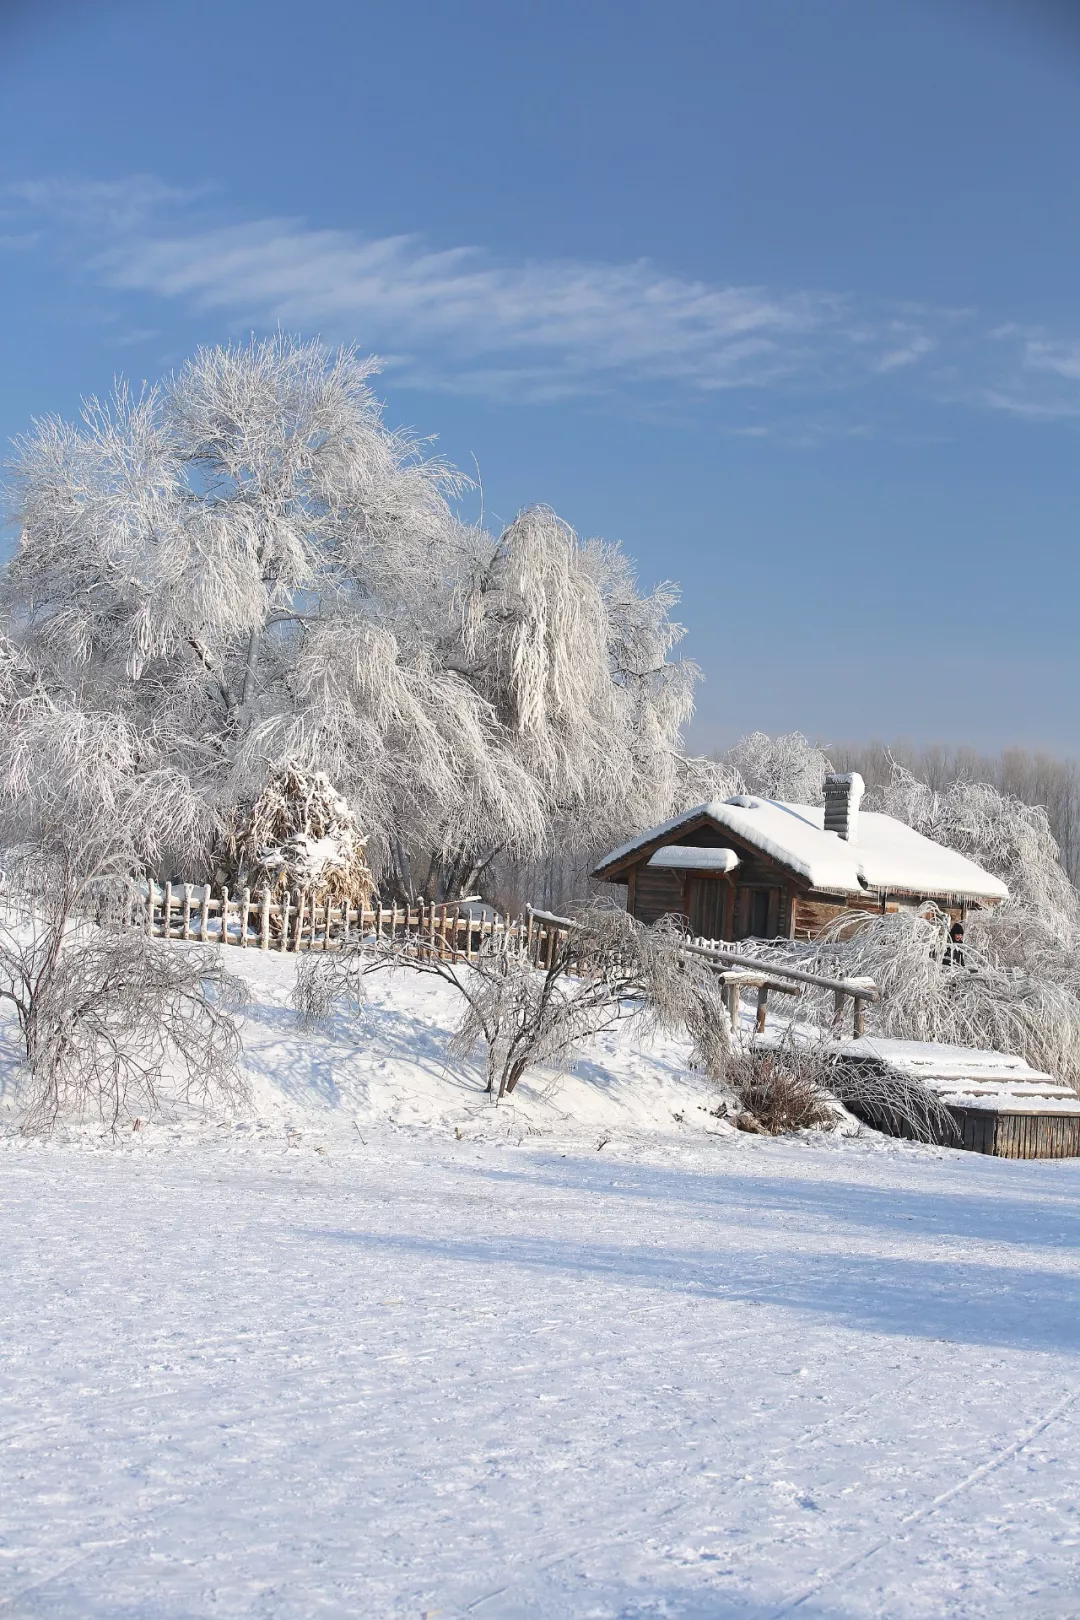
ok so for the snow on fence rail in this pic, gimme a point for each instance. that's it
(297, 922)
(258, 921)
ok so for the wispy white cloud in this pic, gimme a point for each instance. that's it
(1018, 402)
(120, 205)
(453, 318)
(1038, 377)
(459, 319)
(906, 353)
(585, 320)
(1063, 359)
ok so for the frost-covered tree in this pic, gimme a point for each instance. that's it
(605, 967)
(1011, 839)
(789, 767)
(245, 570)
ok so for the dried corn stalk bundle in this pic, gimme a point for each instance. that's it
(301, 834)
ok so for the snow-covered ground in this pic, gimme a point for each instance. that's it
(382, 1350)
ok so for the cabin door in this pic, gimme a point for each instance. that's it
(705, 906)
(757, 913)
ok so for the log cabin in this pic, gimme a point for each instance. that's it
(750, 867)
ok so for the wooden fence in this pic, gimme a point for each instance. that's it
(297, 922)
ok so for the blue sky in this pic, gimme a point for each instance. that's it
(781, 295)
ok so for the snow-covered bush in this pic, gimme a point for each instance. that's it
(245, 568)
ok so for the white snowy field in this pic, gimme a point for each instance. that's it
(332, 1361)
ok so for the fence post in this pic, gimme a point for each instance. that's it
(224, 913)
(732, 988)
(284, 907)
(168, 911)
(762, 1001)
(264, 919)
(150, 907)
(245, 909)
(185, 928)
(204, 914)
(301, 904)
(860, 1016)
(838, 1008)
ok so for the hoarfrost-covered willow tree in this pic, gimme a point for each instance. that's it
(244, 570)
(789, 767)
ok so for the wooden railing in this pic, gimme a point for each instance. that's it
(750, 970)
(739, 973)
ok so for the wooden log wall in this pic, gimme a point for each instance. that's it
(658, 892)
(812, 916)
(1018, 1135)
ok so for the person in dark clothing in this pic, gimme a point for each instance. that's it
(954, 950)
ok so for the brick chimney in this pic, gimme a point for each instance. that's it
(843, 795)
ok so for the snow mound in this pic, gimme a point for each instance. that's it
(390, 1063)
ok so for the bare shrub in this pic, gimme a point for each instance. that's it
(111, 1022)
(792, 1085)
(327, 984)
(114, 1025)
(605, 966)
(779, 1089)
(522, 1016)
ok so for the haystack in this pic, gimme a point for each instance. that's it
(301, 834)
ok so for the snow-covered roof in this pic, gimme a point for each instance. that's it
(886, 856)
(685, 858)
